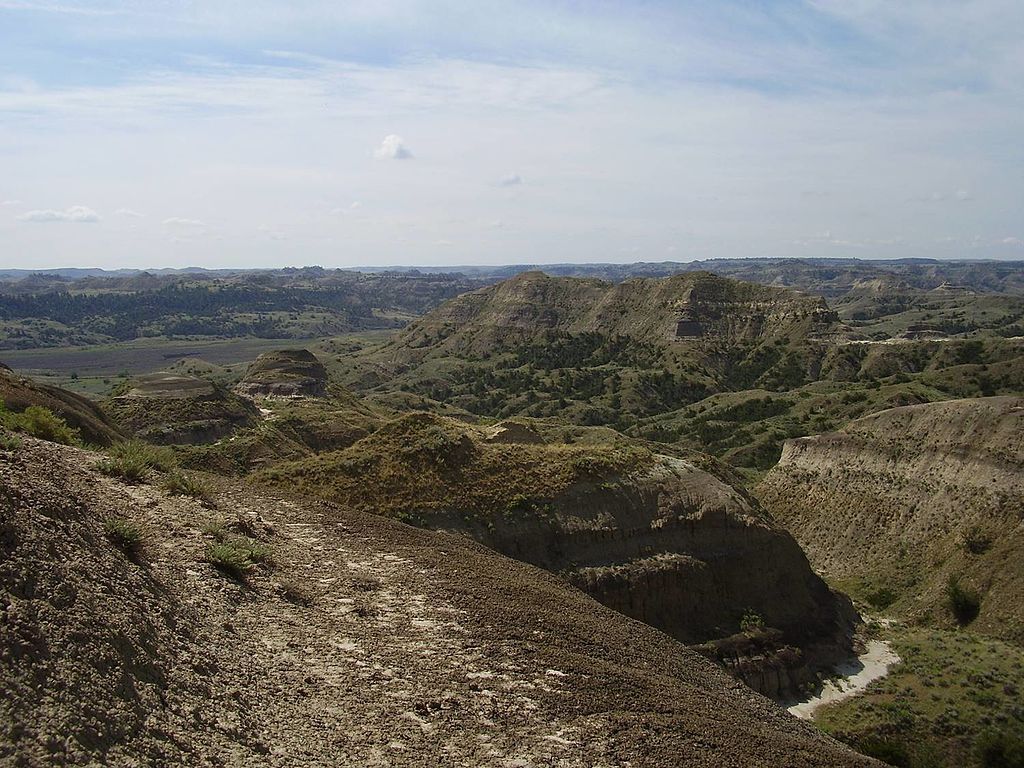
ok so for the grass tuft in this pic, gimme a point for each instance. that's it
(124, 534)
(182, 484)
(133, 460)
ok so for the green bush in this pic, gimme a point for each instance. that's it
(124, 534)
(133, 460)
(964, 602)
(9, 442)
(40, 422)
(996, 749)
(977, 541)
(226, 556)
(182, 484)
(751, 622)
(881, 598)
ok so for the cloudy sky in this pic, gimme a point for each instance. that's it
(256, 133)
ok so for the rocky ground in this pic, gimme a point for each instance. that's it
(363, 642)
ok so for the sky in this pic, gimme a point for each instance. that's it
(231, 133)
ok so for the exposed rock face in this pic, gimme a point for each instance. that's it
(652, 536)
(369, 643)
(697, 306)
(284, 373)
(905, 498)
(171, 408)
(17, 393)
(513, 432)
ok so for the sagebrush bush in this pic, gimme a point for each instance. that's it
(40, 422)
(964, 602)
(998, 749)
(9, 442)
(751, 622)
(133, 460)
(124, 534)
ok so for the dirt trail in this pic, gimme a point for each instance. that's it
(367, 643)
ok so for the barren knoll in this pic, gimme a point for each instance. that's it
(365, 642)
(896, 504)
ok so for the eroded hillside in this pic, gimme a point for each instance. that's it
(651, 535)
(897, 504)
(357, 640)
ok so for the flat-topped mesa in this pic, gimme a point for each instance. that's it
(176, 409)
(284, 373)
(897, 503)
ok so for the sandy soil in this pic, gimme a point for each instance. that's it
(854, 677)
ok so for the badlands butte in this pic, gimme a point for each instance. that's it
(546, 521)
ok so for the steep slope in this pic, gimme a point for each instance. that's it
(600, 353)
(367, 642)
(689, 307)
(650, 535)
(897, 503)
(18, 393)
(174, 408)
(284, 373)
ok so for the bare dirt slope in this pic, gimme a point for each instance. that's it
(896, 503)
(368, 642)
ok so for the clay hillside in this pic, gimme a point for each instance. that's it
(918, 510)
(329, 637)
(688, 307)
(649, 534)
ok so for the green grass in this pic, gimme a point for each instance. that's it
(134, 460)
(179, 483)
(230, 553)
(941, 705)
(124, 534)
(39, 422)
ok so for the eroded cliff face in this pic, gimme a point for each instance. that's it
(652, 536)
(898, 502)
(178, 409)
(284, 373)
(678, 549)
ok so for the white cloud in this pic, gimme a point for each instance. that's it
(129, 212)
(179, 223)
(510, 180)
(392, 148)
(10, 202)
(1012, 241)
(76, 213)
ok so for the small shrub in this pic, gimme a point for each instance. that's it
(977, 541)
(890, 751)
(124, 534)
(964, 602)
(133, 460)
(751, 622)
(996, 749)
(9, 442)
(40, 422)
(217, 528)
(181, 484)
(230, 558)
(236, 555)
(881, 598)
